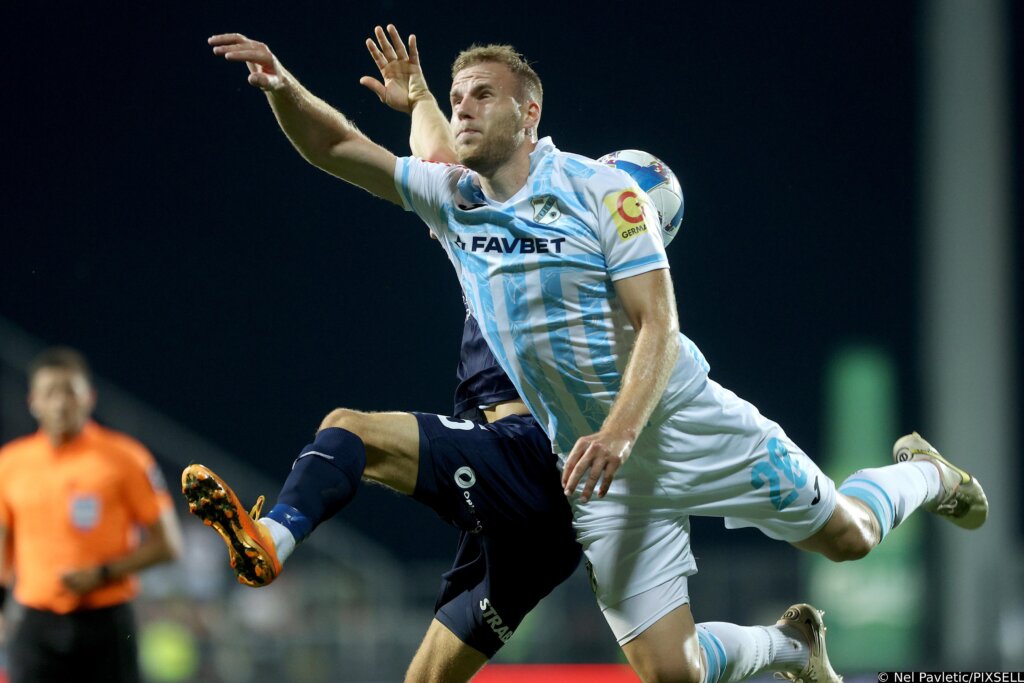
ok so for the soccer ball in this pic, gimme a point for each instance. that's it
(659, 182)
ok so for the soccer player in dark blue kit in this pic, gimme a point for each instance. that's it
(489, 471)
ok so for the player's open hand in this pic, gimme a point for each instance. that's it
(598, 457)
(265, 72)
(403, 82)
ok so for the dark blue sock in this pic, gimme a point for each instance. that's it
(323, 480)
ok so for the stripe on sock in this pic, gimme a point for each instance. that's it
(714, 653)
(868, 492)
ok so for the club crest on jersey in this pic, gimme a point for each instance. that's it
(545, 209)
(627, 211)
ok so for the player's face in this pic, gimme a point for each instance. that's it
(61, 400)
(488, 122)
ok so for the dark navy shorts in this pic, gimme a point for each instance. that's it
(499, 484)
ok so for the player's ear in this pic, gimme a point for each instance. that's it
(531, 119)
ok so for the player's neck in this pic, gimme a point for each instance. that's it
(510, 177)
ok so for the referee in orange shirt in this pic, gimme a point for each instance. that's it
(73, 498)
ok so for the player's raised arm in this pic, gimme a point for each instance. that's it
(321, 134)
(405, 89)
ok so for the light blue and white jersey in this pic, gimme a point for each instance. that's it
(537, 271)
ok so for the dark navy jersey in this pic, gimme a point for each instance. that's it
(482, 382)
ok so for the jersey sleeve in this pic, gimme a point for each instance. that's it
(427, 189)
(628, 228)
(145, 491)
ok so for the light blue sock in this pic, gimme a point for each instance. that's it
(735, 653)
(893, 492)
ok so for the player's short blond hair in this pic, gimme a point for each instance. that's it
(530, 87)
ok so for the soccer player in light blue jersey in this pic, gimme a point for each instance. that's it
(561, 260)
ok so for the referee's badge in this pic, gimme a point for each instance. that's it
(85, 512)
(545, 209)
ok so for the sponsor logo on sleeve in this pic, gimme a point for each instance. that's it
(627, 211)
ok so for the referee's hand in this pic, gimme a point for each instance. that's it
(82, 581)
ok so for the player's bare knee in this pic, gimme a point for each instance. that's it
(344, 418)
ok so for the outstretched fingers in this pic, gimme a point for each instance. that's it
(392, 47)
(230, 45)
(385, 45)
(374, 85)
(263, 67)
(379, 89)
(378, 57)
(414, 51)
(396, 40)
(225, 39)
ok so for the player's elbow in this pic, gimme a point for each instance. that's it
(333, 150)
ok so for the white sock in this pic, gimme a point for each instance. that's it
(734, 653)
(893, 492)
(284, 542)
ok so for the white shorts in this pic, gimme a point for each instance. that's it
(716, 456)
(634, 615)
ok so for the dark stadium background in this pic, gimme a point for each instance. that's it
(155, 217)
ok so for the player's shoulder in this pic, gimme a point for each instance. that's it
(435, 167)
(120, 444)
(582, 171)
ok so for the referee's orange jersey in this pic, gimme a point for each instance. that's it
(76, 506)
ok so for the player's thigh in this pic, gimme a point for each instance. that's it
(392, 442)
(497, 479)
(443, 658)
(655, 654)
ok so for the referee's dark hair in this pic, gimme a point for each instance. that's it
(63, 357)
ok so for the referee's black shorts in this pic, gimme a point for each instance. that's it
(87, 646)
